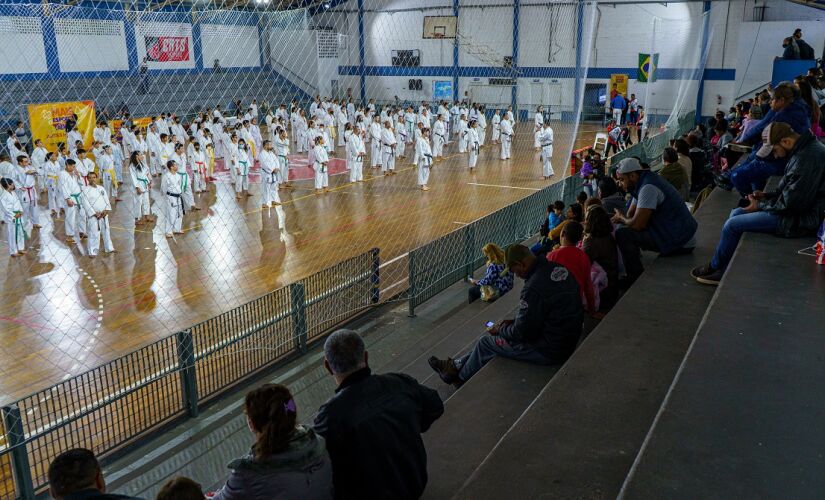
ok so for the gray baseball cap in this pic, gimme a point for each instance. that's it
(629, 165)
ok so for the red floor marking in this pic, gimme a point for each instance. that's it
(299, 169)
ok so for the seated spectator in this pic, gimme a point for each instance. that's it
(751, 120)
(373, 425)
(794, 209)
(286, 461)
(76, 475)
(674, 173)
(555, 215)
(786, 106)
(807, 94)
(576, 261)
(612, 199)
(575, 212)
(588, 176)
(683, 151)
(496, 281)
(600, 246)
(805, 51)
(699, 174)
(658, 219)
(581, 198)
(180, 488)
(545, 331)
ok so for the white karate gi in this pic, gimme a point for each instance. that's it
(39, 163)
(96, 200)
(375, 144)
(425, 160)
(102, 135)
(462, 135)
(282, 152)
(107, 170)
(270, 177)
(342, 122)
(69, 188)
(472, 141)
(242, 171)
(506, 139)
(141, 180)
(356, 152)
(15, 226)
(388, 143)
(439, 138)
(539, 120)
(546, 139)
(199, 169)
(320, 166)
(496, 121)
(482, 128)
(26, 188)
(52, 168)
(400, 138)
(170, 186)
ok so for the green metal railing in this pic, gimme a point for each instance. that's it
(650, 149)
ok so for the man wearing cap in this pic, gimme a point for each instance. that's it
(546, 328)
(786, 106)
(658, 219)
(794, 209)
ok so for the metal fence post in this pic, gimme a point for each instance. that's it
(186, 368)
(16, 440)
(469, 250)
(297, 292)
(375, 293)
(411, 279)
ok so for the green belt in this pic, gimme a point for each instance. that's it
(184, 182)
(145, 181)
(18, 227)
(246, 167)
(76, 199)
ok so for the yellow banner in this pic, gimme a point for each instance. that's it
(48, 122)
(142, 123)
(618, 83)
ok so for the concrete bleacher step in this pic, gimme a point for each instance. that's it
(475, 418)
(744, 418)
(579, 437)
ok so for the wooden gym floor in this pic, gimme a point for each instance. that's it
(62, 313)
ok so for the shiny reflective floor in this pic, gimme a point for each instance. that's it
(63, 313)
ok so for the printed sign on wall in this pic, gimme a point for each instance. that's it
(167, 48)
(48, 121)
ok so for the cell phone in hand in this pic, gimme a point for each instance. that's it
(490, 324)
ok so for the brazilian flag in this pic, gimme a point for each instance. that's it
(647, 68)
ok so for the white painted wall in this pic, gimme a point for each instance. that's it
(21, 45)
(91, 45)
(293, 53)
(234, 46)
(164, 29)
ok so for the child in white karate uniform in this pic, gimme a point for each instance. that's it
(496, 122)
(388, 143)
(242, 171)
(282, 152)
(356, 151)
(12, 212)
(142, 182)
(320, 163)
(472, 140)
(506, 137)
(462, 134)
(546, 139)
(26, 187)
(425, 159)
(270, 174)
(96, 208)
(69, 188)
(170, 186)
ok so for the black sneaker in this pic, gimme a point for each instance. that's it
(707, 275)
(445, 368)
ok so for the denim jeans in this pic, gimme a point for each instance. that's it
(753, 174)
(490, 346)
(631, 243)
(741, 222)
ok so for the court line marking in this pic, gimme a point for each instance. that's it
(503, 186)
(460, 223)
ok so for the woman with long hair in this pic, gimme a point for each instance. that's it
(496, 281)
(142, 182)
(286, 461)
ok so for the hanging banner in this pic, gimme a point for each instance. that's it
(48, 122)
(142, 123)
(167, 48)
(647, 68)
(618, 84)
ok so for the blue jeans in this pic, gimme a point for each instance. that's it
(753, 174)
(490, 346)
(741, 222)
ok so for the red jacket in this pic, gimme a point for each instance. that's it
(578, 263)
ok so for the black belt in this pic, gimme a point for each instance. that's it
(548, 144)
(177, 195)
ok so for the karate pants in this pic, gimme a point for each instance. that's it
(108, 185)
(536, 139)
(29, 202)
(269, 194)
(55, 202)
(617, 116)
(399, 148)
(438, 146)
(341, 138)
(356, 172)
(321, 179)
(423, 172)
(283, 174)
(16, 236)
(482, 135)
(75, 222)
(547, 156)
(462, 145)
(375, 153)
(389, 161)
(174, 214)
(96, 228)
(242, 183)
(496, 134)
(506, 143)
(142, 206)
(473, 156)
(200, 180)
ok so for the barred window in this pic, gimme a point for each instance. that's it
(327, 44)
(20, 25)
(87, 27)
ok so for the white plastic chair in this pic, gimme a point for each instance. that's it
(601, 141)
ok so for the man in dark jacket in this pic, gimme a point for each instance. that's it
(373, 425)
(805, 50)
(547, 326)
(794, 209)
(76, 475)
(786, 106)
(658, 219)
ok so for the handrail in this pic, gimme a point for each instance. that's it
(750, 92)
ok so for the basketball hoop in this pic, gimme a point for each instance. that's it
(438, 35)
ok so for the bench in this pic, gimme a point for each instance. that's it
(579, 437)
(744, 418)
